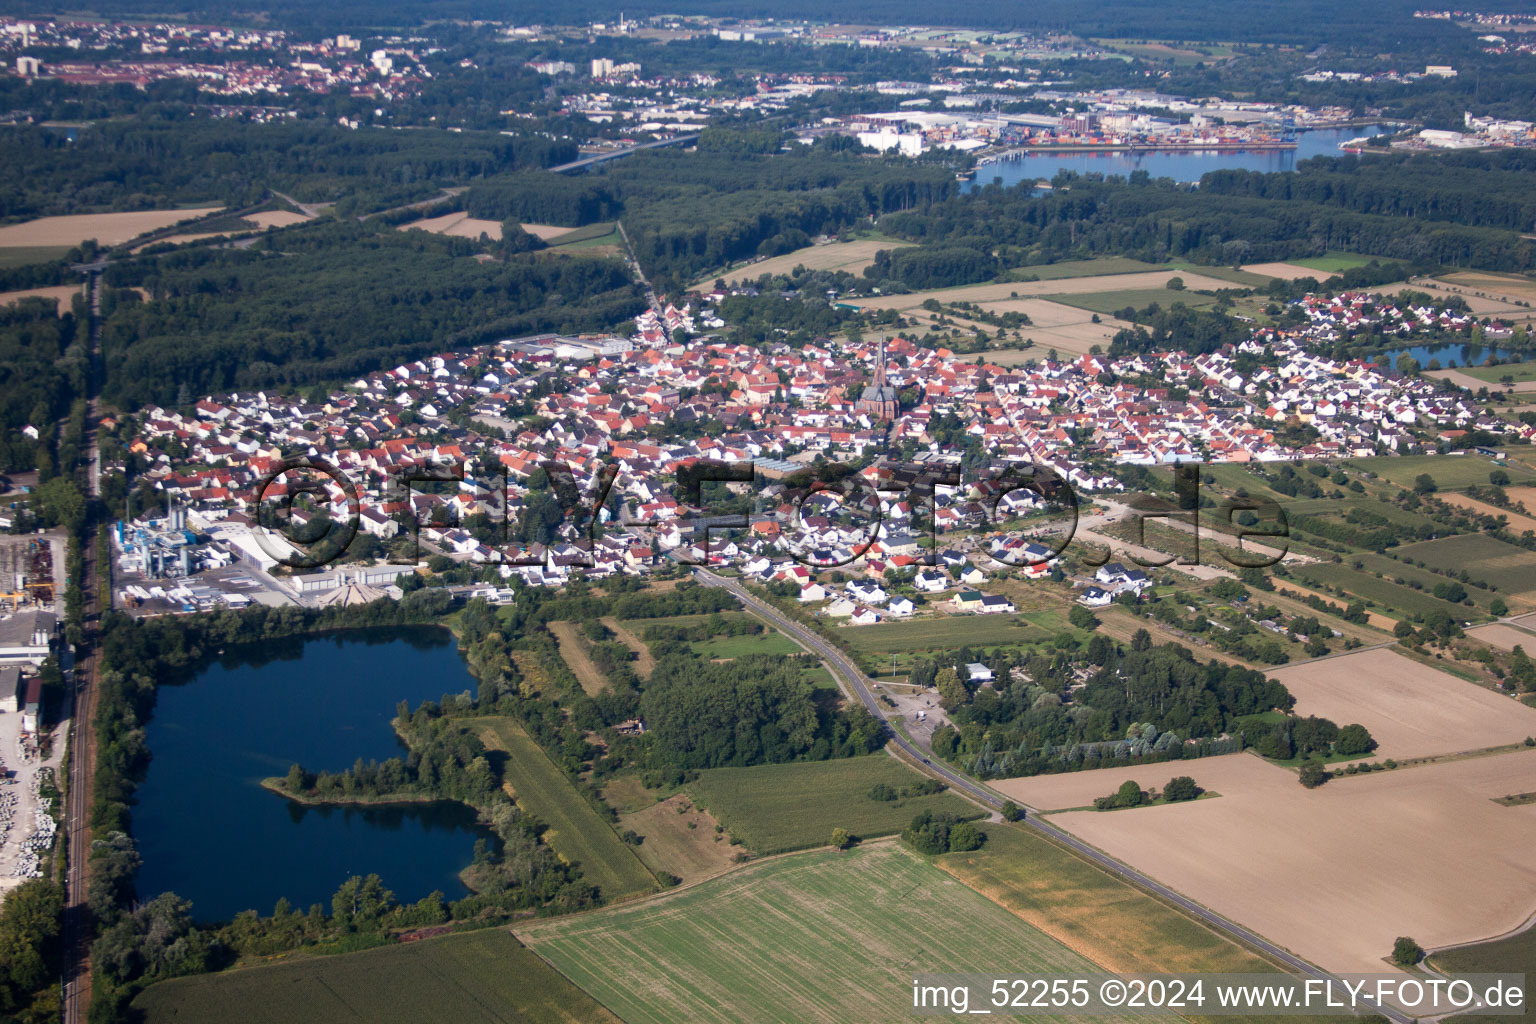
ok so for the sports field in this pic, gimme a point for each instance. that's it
(777, 807)
(576, 832)
(1412, 710)
(821, 936)
(106, 228)
(940, 633)
(1484, 558)
(1335, 874)
(482, 977)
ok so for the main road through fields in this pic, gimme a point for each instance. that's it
(857, 683)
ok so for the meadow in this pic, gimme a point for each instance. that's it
(1333, 262)
(1516, 372)
(940, 633)
(481, 977)
(822, 936)
(576, 831)
(1514, 954)
(1139, 298)
(774, 808)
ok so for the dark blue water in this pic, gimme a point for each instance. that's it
(1180, 166)
(209, 832)
(1449, 356)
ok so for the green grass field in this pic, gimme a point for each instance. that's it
(1395, 569)
(1449, 471)
(1079, 268)
(576, 831)
(482, 977)
(593, 234)
(768, 642)
(1387, 596)
(822, 936)
(773, 808)
(1486, 559)
(1518, 372)
(1333, 262)
(941, 633)
(1112, 302)
(1515, 955)
(21, 255)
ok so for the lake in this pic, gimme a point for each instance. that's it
(208, 831)
(1181, 166)
(1448, 356)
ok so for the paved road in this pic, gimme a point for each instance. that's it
(598, 158)
(856, 682)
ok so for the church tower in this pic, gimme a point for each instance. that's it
(879, 399)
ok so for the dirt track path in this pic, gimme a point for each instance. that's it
(575, 655)
(644, 662)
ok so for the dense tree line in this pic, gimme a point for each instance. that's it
(339, 300)
(133, 164)
(42, 369)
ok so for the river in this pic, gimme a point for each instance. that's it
(209, 832)
(1181, 166)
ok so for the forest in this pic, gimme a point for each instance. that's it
(42, 367)
(336, 300)
(151, 164)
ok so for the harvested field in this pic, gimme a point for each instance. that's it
(1091, 911)
(576, 832)
(1505, 638)
(850, 256)
(574, 650)
(106, 228)
(543, 232)
(986, 294)
(1337, 873)
(681, 838)
(1078, 789)
(63, 294)
(644, 662)
(182, 239)
(1412, 710)
(1512, 286)
(459, 225)
(778, 807)
(1054, 325)
(276, 218)
(481, 977)
(817, 937)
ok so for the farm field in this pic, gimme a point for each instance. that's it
(457, 225)
(1333, 262)
(821, 936)
(573, 651)
(591, 235)
(1504, 637)
(1393, 570)
(774, 808)
(1112, 301)
(1502, 285)
(106, 228)
(938, 633)
(1054, 325)
(481, 977)
(1080, 268)
(1484, 558)
(1286, 271)
(276, 218)
(1377, 856)
(985, 294)
(21, 255)
(1094, 913)
(1449, 471)
(576, 831)
(1514, 954)
(1411, 709)
(1078, 789)
(62, 294)
(1519, 372)
(681, 838)
(1386, 595)
(1517, 522)
(850, 256)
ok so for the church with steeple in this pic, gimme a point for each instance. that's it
(879, 399)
